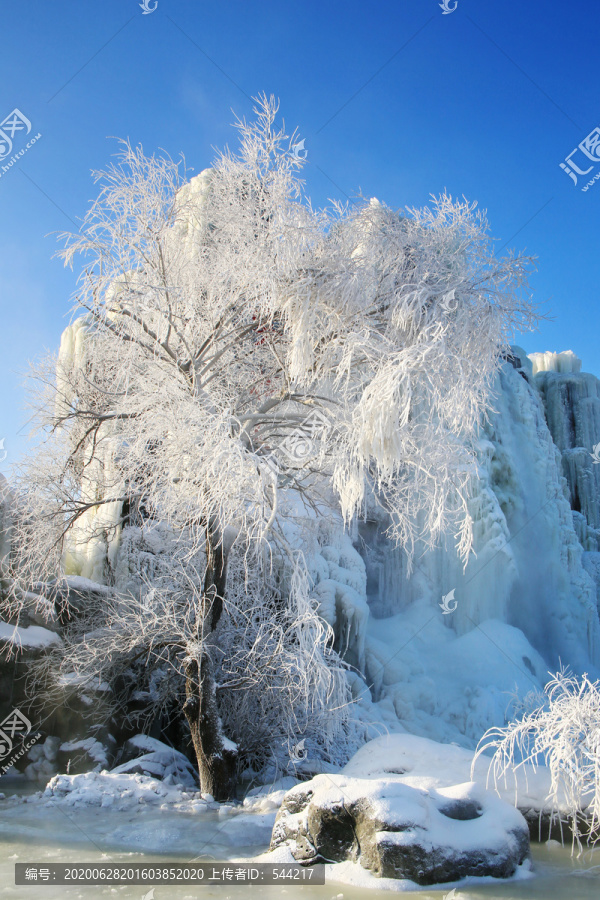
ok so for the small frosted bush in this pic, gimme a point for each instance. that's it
(562, 733)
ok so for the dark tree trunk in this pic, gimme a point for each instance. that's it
(216, 756)
(216, 763)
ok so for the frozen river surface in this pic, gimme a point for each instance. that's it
(33, 832)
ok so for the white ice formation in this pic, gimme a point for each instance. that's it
(528, 598)
(563, 362)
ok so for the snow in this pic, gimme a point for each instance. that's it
(423, 763)
(92, 747)
(31, 636)
(165, 763)
(269, 797)
(125, 790)
(79, 583)
(444, 686)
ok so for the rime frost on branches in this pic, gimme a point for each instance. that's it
(221, 312)
(561, 731)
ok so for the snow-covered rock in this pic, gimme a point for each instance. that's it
(424, 764)
(395, 830)
(113, 788)
(31, 638)
(42, 763)
(143, 755)
(86, 755)
(19, 648)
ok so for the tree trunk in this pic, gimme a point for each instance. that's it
(217, 762)
(216, 756)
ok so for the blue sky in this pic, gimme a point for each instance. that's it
(395, 100)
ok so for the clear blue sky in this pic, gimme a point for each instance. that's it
(394, 99)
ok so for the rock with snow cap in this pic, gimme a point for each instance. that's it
(428, 836)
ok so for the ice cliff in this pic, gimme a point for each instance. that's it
(528, 598)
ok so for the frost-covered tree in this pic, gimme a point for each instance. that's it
(242, 365)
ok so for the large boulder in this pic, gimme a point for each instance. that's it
(396, 830)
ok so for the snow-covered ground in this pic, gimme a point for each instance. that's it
(152, 825)
(121, 816)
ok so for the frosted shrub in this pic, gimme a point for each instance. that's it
(563, 733)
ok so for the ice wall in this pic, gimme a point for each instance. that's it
(572, 405)
(527, 600)
(566, 361)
